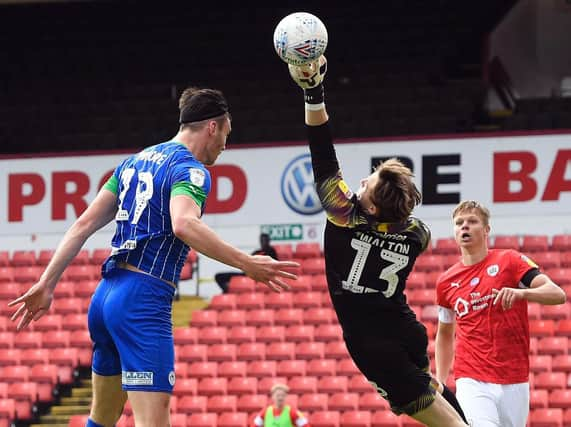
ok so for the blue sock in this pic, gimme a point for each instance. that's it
(91, 423)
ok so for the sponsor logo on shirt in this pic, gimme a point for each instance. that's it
(345, 189)
(197, 176)
(493, 270)
(137, 378)
(461, 307)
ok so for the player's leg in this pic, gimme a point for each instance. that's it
(108, 400)
(439, 413)
(150, 409)
(514, 405)
(479, 401)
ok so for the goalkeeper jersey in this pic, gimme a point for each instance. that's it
(144, 184)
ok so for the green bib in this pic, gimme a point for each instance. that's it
(284, 420)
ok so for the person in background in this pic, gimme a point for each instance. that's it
(280, 414)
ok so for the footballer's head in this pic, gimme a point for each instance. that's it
(279, 394)
(471, 224)
(205, 112)
(389, 193)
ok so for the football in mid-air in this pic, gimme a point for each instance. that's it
(300, 38)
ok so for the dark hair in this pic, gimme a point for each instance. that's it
(395, 195)
(197, 105)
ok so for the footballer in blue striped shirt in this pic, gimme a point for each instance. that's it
(157, 198)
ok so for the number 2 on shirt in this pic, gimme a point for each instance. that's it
(143, 194)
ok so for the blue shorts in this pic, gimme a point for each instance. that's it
(130, 325)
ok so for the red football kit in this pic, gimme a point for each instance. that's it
(492, 344)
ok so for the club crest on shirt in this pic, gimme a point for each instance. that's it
(474, 281)
(345, 189)
(197, 176)
(493, 270)
(529, 261)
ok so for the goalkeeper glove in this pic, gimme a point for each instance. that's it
(310, 78)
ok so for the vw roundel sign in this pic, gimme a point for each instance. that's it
(298, 188)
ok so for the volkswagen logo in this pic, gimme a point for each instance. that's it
(297, 186)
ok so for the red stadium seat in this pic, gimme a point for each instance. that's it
(421, 296)
(416, 280)
(564, 328)
(318, 316)
(10, 356)
(553, 345)
(232, 369)
(301, 385)
(299, 333)
(27, 339)
(44, 257)
(251, 351)
(86, 288)
(185, 335)
(32, 356)
(73, 322)
(427, 263)
(540, 363)
(332, 384)
(250, 301)
(385, 419)
(261, 368)
(204, 318)
(9, 291)
(229, 318)
(223, 302)
(429, 313)
(322, 367)
(347, 367)
(311, 300)
(541, 328)
(65, 289)
(99, 256)
(328, 332)
(23, 258)
(507, 242)
(291, 368)
(181, 369)
(561, 243)
(561, 363)
(446, 246)
(15, 373)
(288, 316)
(221, 352)
(27, 274)
(539, 243)
(560, 399)
(44, 373)
(82, 258)
(191, 353)
(265, 384)
(280, 351)
(67, 306)
(307, 250)
(432, 278)
(3, 321)
(7, 274)
(560, 276)
(64, 357)
(80, 273)
(212, 386)
(538, 399)
(550, 380)
(313, 402)
(23, 391)
(251, 402)
(4, 258)
(7, 408)
(534, 311)
(336, 350)
(202, 369)
(269, 334)
(178, 420)
(277, 301)
(230, 419)
(241, 284)
(547, 260)
(242, 385)
(260, 318)
(566, 260)
(56, 339)
(185, 387)
(319, 283)
(372, 401)
(284, 251)
(546, 418)
(556, 312)
(212, 335)
(241, 334)
(356, 419)
(192, 405)
(50, 322)
(310, 350)
(344, 402)
(313, 266)
(449, 260)
(325, 419)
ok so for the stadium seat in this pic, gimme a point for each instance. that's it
(204, 318)
(185, 335)
(284, 251)
(229, 318)
(242, 385)
(372, 401)
(539, 243)
(556, 312)
(6, 275)
(15, 373)
(23, 258)
(250, 301)
(538, 399)
(251, 402)
(312, 402)
(561, 243)
(420, 297)
(4, 258)
(546, 418)
(232, 369)
(507, 242)
(332, 384)
(27, 274)
(429, 313)
(299, 333)
(212, 335)
(64, 356)
(561, 363)
(291, 368)
(241, 334)
(3, 321)
(540, 363)
(98, 256)
(251, 351)
(560, 276)
(427, 263)
(325, 419)
(269, 334)
(65, 289)
(73, 322)
(230, 419)
(80, 273)
(185, 387)
(336, 350)
(221, 352)
(552, 345)
(181, 369)
(265, 384)
(280, 351)
(32, 356)
(416, 280)
(51, 322)
(534, 311)
(547, 260)
(67, 306)
(328, 332)
(301, 385)
(55, 339)
(307, 250)
(261, 368)
(9, 291)
(385, 419)
(322, 367)
(28, 339)
(446, 246)
(432, 278)
(560, 399)
(541, 328)
(276, 301)
(223, 302)
(449, 260)
(318, 316)
(241, 284)
(309, 350)
(191, 353)
(356, 419)
(288, 316)
(566, 260)
(23, 391)
(347, 367)
(319, 284)
(550, 380)
(311, 300)
(313, 266)
(178, 420)
(343, 402)
(261, 317)
(212, 387)
(202, 369)
(202, 420)
(192, 404)
(82, 258)
(10, 356)
(85, 289)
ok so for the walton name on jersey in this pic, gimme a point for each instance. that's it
(378, 239)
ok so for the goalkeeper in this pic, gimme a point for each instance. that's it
(371, 244)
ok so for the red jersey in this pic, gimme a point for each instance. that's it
(492, 344)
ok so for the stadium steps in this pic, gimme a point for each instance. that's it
(78, 403)
(183, 308)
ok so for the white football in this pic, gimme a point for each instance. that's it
(300, 38)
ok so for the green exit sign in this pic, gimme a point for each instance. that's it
(283, 231)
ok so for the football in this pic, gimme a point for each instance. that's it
(300, 38)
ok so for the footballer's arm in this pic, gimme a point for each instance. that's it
(540, 289)
(444, 350)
